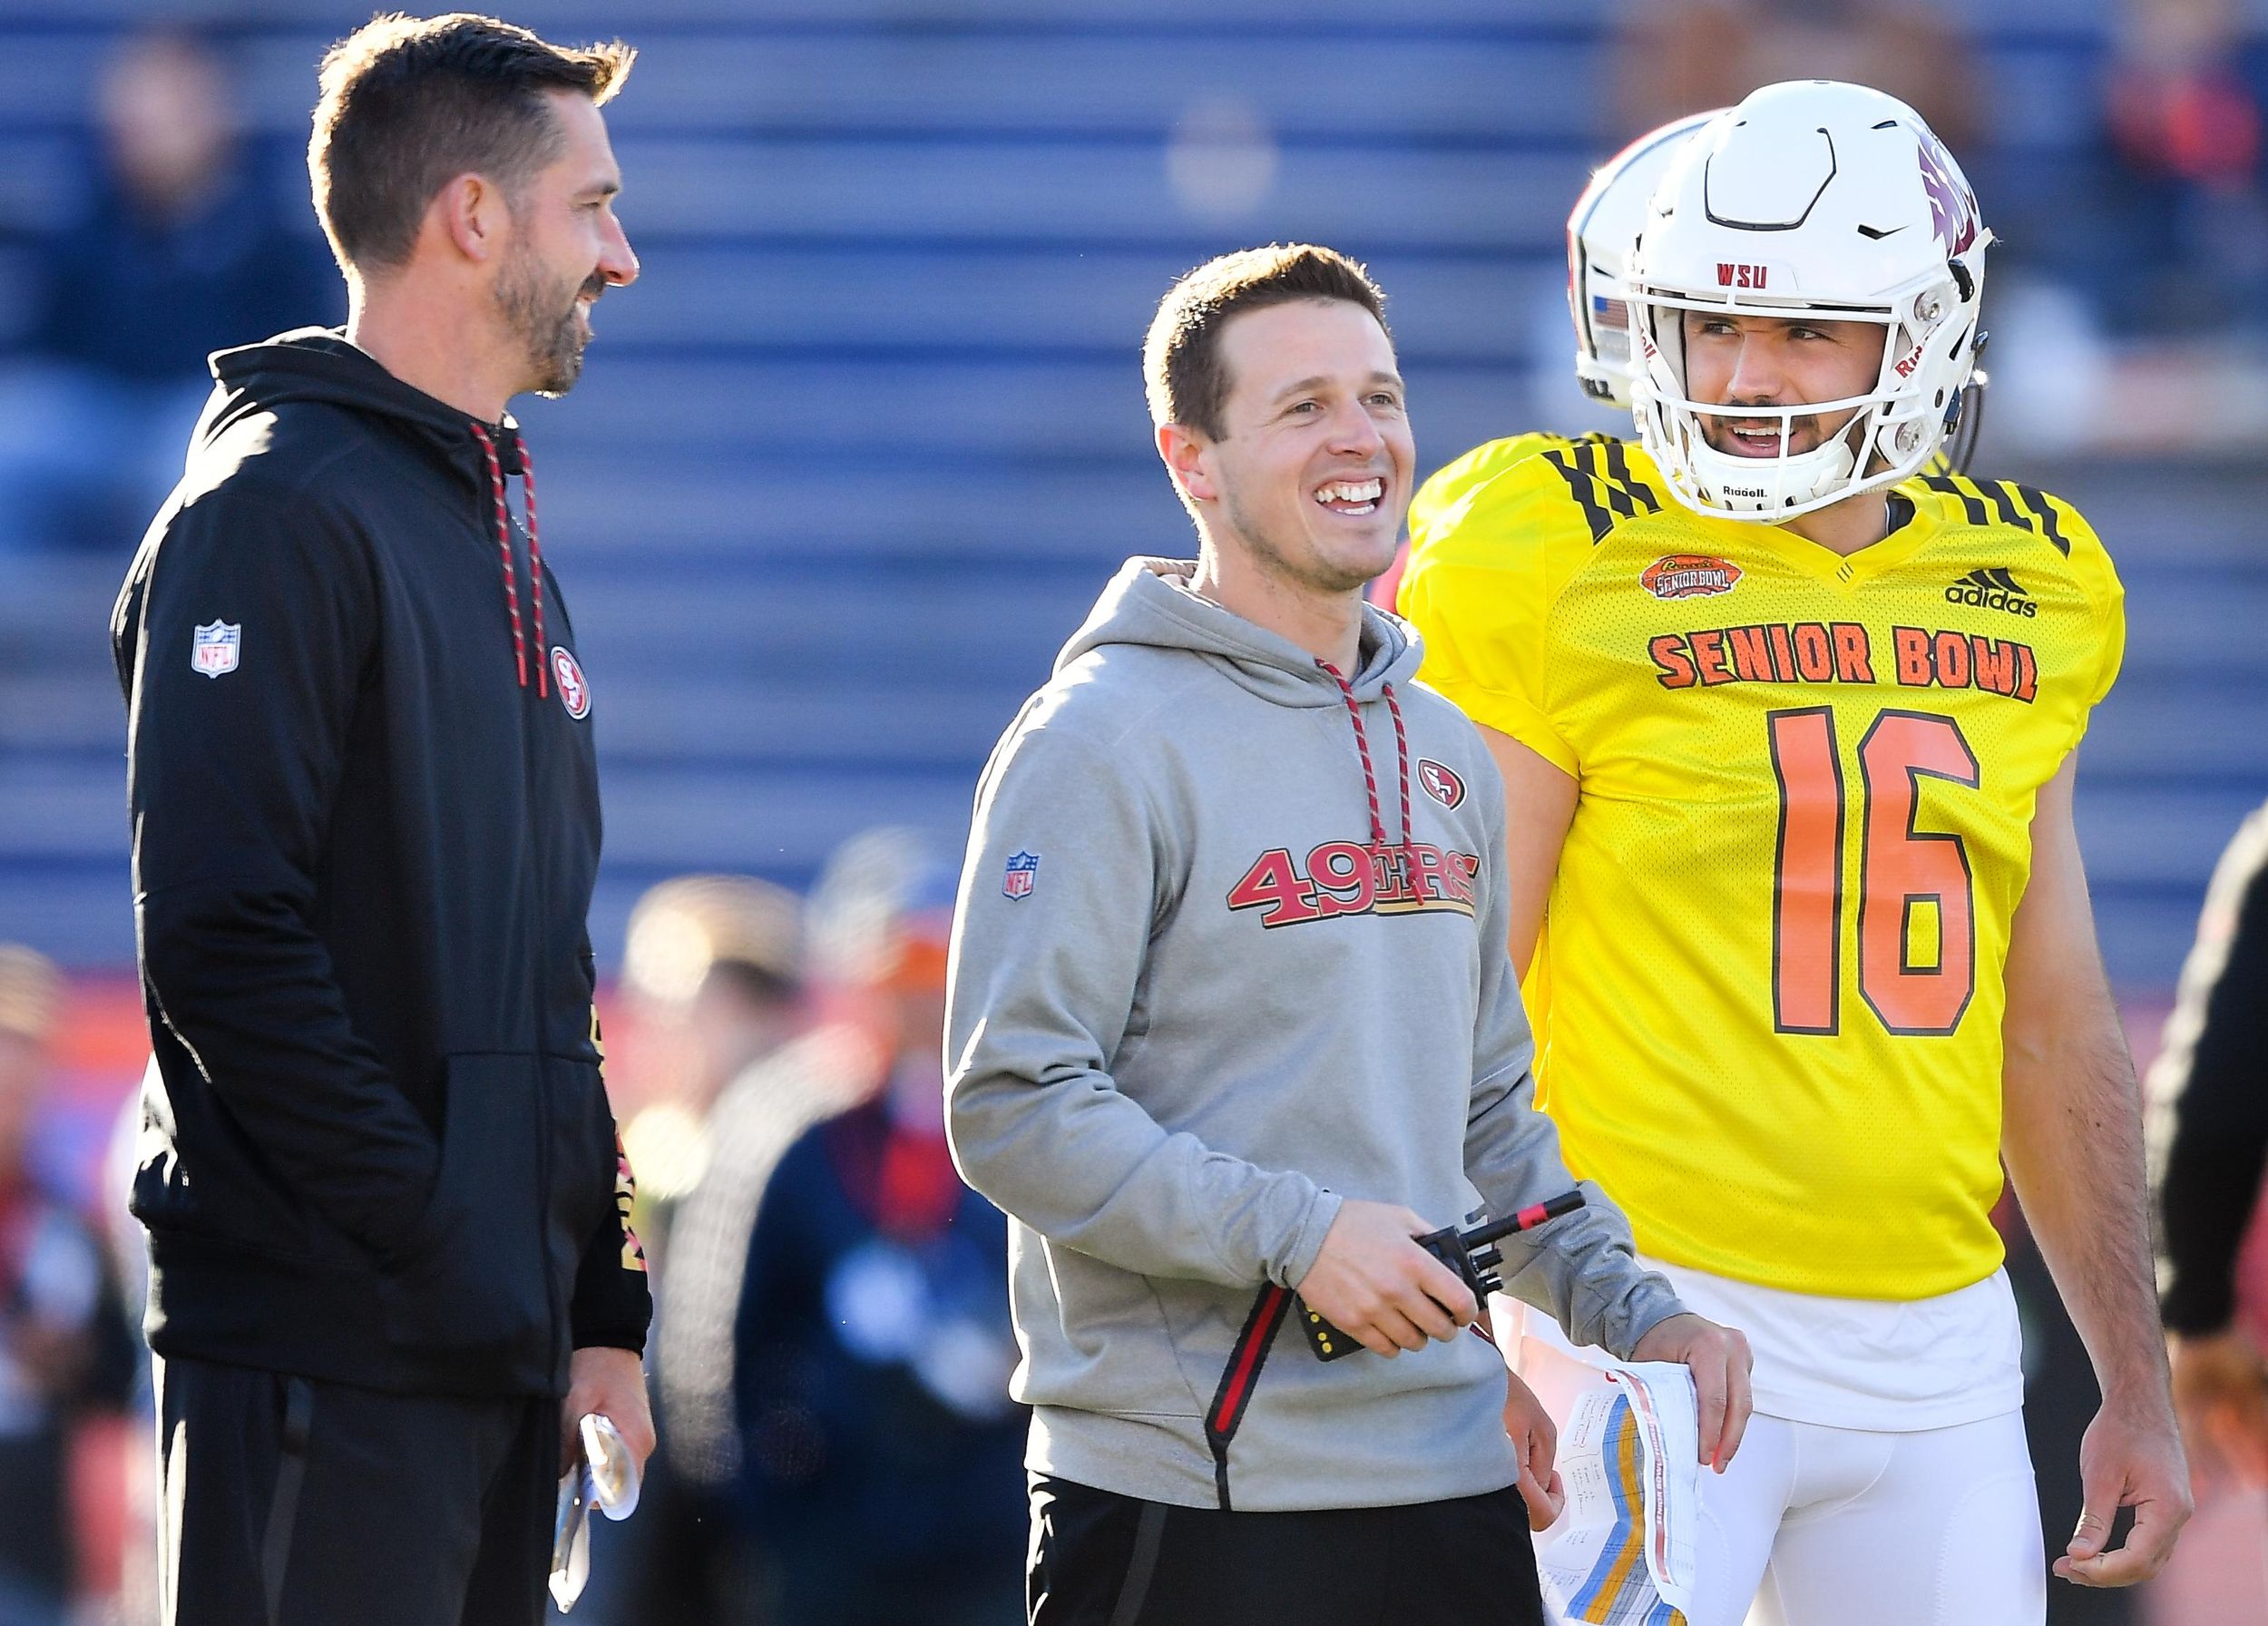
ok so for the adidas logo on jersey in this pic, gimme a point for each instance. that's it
(1992, 589)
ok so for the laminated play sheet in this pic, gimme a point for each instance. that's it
(1621, 1553)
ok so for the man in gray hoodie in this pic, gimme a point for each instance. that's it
(1231, 1018)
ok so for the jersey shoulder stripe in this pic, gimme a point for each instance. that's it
(1599, 476)
(2004, 501)
(1550, 505)
(1452, 482)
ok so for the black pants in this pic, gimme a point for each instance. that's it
(287, 1502)
(1104, 1560)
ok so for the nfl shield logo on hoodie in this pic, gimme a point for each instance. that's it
(1023, 875)
(213, 648)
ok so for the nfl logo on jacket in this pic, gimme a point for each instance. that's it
(213, 648)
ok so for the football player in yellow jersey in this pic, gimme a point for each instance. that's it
(1788, 737)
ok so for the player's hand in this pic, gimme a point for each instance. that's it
(2130, 1456)
(1374, 1282)
(611, 1382)
(1718, 1358)
(1535, 1442)
(2220, 1400)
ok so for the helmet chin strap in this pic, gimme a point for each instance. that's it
(1800, 477)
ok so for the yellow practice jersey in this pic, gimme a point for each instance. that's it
(1769, 992)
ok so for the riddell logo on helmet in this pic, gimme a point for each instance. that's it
(1689, 576)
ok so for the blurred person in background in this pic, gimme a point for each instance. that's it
(714, 969)
(877, 1462)
(871, 1454)
(63, 1337)
(2186, 216)
(1675, 57)
(2209, 1150)
(182, 247)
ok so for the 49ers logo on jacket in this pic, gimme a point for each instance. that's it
(575, 693)
(1346, 878)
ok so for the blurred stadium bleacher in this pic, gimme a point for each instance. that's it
(856, 453)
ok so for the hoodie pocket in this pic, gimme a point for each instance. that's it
(473, 1286)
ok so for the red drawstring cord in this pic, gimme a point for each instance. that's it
(1401, 744)
(536, 570)
(504, 548)
(1362, 744)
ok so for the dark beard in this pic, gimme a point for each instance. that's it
(554, 342)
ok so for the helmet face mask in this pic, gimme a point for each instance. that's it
(1820, 201)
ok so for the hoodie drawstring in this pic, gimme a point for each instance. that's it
(535, 569)
(1362, 744)
(504, 548)
(1241, 1376)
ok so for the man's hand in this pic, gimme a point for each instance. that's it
(1374, 1282)
(1535, 1442)
(611, 1382)
(2220, 1400)
(2125, 1461)
(1719, 1360)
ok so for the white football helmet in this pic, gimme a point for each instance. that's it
(1811, 198)
(1601, 230)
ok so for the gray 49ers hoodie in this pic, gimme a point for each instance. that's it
(1230, 948)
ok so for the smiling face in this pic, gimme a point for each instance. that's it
(1776, 361)
(1312, 470)
(567, 247)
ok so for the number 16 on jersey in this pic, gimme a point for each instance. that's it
(1916, 921)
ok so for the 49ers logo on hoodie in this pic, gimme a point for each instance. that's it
(1346, 878)
(1442, 783)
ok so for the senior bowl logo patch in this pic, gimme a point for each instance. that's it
(1021, 875)
(1689, 576)
(1440, 783)
(575, 693)
(213, 648)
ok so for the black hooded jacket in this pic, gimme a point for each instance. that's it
(375, 1146)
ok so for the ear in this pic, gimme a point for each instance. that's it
(1186, 451)
(472, 217)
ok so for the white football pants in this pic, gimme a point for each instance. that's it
(1817, 1526)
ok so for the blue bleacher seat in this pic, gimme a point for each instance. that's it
(850, 463)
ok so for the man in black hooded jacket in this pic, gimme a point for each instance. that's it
(386, 1207)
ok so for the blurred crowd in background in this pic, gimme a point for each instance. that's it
(832, 1346)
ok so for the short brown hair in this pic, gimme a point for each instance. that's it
(409, 103)
(1181, 365)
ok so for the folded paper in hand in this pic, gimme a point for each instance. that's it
(1621, 1553)
(606, 1476)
